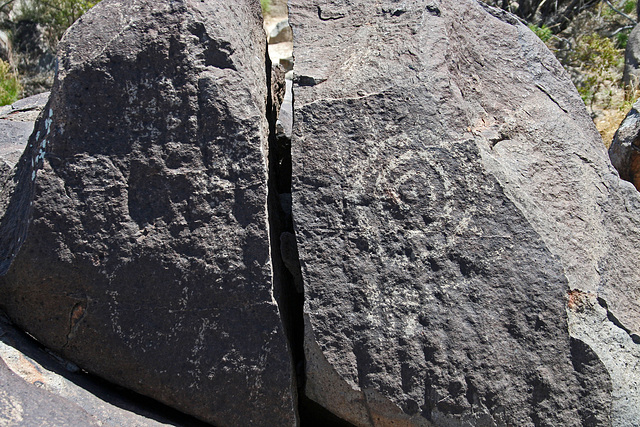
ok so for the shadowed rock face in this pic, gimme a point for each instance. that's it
(449, 190)
(144, 192)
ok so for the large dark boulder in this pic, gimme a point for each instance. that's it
(136, 243)
(451, 196)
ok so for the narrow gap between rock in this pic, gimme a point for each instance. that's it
(287, 275)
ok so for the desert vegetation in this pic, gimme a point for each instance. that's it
(587, 36)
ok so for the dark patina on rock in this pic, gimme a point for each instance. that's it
(439, 155)
(144, 191)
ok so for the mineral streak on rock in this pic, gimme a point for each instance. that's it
(441, 159)
(144, 192)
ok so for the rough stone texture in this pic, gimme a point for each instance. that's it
(631, 73)
(619, 352)
(16, 125)
(144, 191)
(624, 151)
(13, 139)
(449, 190)
(25, 405)
(108, 405)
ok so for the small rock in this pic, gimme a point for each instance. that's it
(16, 125)
(284, 124)
(281, 32)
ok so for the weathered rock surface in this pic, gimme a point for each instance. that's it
(24, 404)
(144, 192)
(631, 75)
(449, 190)
(107, 405)
(624, 150)
(16, 125)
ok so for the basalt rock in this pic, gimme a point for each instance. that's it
(16, 125)
(62, 388)
(624, 151)
(136, 243)
(450, 192)
(23, 405)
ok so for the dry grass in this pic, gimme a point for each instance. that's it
(608, 119)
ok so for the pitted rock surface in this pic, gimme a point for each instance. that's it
(449, 190)
(144, 191)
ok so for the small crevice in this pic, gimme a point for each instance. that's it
(78, 312)
(613, 319)
(433, 10)
(329, 16)
(287, 276)
(495, 141)
(543, 90)
(308, 81)
(289, 300)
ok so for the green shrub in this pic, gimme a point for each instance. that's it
(544, 32)
(598, 53)
(10, 88)
(600, 62)
(266, 5)
(622, 38)
(629, 6)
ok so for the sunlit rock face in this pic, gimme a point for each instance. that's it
(450, 192)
